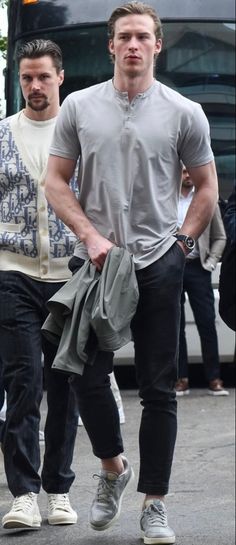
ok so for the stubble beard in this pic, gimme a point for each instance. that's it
(38, 107)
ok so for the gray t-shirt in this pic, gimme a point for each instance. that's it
(130, 161)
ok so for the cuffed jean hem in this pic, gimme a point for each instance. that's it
(152, 490)
(108, 454)
(56, 489)
(22, 491)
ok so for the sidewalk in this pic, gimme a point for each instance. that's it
(201, 498)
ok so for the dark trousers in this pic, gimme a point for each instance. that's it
(1, 386)
(197, 284)
(2, 394)
(155, 330)
(22, 313)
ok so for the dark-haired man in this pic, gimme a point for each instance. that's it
(34, 251)
(197, 284)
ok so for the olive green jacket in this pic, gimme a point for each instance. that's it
(93, 311)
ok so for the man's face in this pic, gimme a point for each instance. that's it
(186, 180)
(39, 82)
(134, 45)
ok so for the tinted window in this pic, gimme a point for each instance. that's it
(198, 60)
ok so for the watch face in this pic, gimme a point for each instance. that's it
(190, 243)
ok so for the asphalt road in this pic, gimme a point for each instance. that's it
(201, 499)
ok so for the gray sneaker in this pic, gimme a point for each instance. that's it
(106, 506)
(153, 522)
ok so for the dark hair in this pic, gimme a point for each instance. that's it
(133, 8)
(40, 48)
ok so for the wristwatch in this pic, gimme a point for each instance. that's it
(188, 242)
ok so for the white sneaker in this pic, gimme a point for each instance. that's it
(24, 513)
(60, 510)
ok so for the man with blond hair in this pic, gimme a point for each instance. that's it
(132, 133)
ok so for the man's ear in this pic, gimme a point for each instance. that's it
(61, 77)
(111, 47)
(158, 46)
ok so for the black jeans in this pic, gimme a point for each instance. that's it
(155, 328)
(1, 386)
(2, 394)
(197, 284)
(22, 313)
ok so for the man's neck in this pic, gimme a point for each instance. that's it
(43, 115)
(132, 85)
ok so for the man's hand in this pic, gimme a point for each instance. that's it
(183, 247)
(98, 247)
(210, 264)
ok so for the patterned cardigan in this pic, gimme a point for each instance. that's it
(32, 239)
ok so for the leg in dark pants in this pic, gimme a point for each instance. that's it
(60, 429)
(197, 284)
(183, 351)
(98, 408)
(22, 378)
(2, 395)
(21, 316)
(96, 402)
(156, 332)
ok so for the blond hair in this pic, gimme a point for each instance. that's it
(134, 8)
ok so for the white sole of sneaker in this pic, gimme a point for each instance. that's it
(101, 528)
(16, 523)
(221, 393)
(184, 393)
(60, 520)
(158, 540)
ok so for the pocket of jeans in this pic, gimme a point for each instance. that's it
(180, 251)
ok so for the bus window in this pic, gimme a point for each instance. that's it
(198, 60)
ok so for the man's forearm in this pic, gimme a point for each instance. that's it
(203, 205)
(68, 209)
(199, 213)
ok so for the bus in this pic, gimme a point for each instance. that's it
(197, 59)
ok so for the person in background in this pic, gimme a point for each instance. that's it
(227, 285)
(35, 248)
(132, 133)
(229, 217)
(197, 284)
